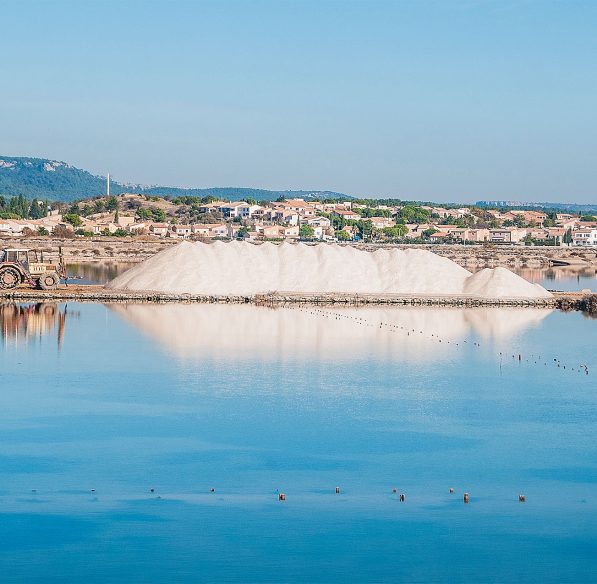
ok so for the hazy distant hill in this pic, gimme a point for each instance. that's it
(58, 181)
(563, 207)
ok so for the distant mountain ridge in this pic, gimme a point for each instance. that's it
(571, 207)
(53, 180)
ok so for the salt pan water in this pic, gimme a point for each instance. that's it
(146, 443)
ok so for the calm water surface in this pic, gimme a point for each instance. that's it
(564, 279)
(101, 404)
(96, 272)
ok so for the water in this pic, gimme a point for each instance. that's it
(252, 401)
(96, 272)
(563, 279)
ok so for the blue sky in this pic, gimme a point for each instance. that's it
(436, 100)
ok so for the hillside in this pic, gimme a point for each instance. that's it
(559, 207)
(42, 178)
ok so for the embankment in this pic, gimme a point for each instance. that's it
(586, 303)
(129, 249)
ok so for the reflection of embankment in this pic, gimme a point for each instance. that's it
(583, 275)
(98, 272)
(238, 332)
(23, 322)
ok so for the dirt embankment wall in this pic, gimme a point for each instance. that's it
(128, 249)
(515, 256)
(93, 249)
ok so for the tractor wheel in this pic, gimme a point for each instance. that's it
(9, 278)
(48, 281)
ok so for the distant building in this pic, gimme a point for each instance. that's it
(237, 209)
(382, 222)
(299, 206)
(317, 221)
(467, 234)
(125, 221)
(210, 230)
(159, 229)
(137, 228)
(585, 237)
(183, 231)
(438, 237)
(346, 214)
(507, 235)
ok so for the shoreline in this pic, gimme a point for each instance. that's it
(565, 301)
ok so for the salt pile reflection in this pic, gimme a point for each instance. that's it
(237, 332)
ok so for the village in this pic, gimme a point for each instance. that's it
(141, 216)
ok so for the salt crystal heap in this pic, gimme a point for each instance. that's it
(238, 268)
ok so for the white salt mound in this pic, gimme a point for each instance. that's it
(501, 282)
(239, 268)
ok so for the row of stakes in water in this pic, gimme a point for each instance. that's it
(582, 368)
(402, 496)
(282, 496)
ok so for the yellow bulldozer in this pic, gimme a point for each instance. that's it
(20, 266)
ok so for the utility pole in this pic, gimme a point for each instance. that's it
(108, 186)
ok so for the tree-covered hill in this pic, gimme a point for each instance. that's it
(47, 179)
(40, 178)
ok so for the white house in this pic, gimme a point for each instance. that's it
(182, 230)
(159, 229)
(507, 235)
(585, 237)
(238, 209)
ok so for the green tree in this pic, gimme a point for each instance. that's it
(365, 229)
(414, 214)
(342, 235)
(158, 215)
(396, 231)
(8, 215)
(37, 209)
(373, 212)
(144, 214)
(112, 204)
(306, 232)
(528, 239)
(73, 219)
